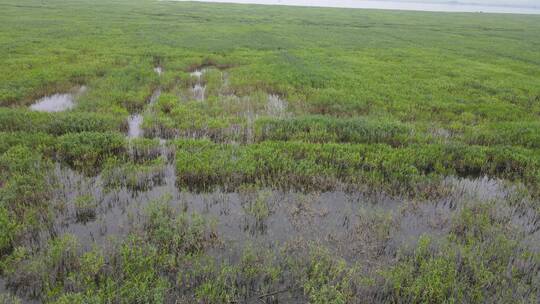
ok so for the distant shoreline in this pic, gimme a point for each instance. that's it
(449, 6)
(467, 3)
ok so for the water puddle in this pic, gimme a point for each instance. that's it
(199, 88)
(354, 226)
(197, 73)
(135, 120)
(264, 217)
(118, 197)
(134, 126)
(155, 96)
(349, 223)
(57, 102)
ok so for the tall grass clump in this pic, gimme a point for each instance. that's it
(525, 134)
(88, 150)
(204, 164)
(331, 129)
(37, 141)
(25, 192)
(15, 120)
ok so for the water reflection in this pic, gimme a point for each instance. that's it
(134, 126)
(199, 88)
(352, 224)
(57, 102)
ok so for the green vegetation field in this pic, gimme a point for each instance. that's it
(288, 154)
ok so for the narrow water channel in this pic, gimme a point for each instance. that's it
(199, 88)
(135, 121)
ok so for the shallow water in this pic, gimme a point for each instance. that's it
(354, 226)
(389, 5)
(155, 96)
(198, 92)
(57, 102)
(54, 103)
(134, 126)
(285, 216)
(135, 120)
(349, 223)
(198, 88)
(197, 73)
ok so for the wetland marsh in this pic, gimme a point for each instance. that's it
(182, 152)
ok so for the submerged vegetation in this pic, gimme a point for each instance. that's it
(224, 153)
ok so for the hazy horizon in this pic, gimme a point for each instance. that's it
(517, 3)
(486, 6)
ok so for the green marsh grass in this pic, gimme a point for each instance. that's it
(421, 107)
